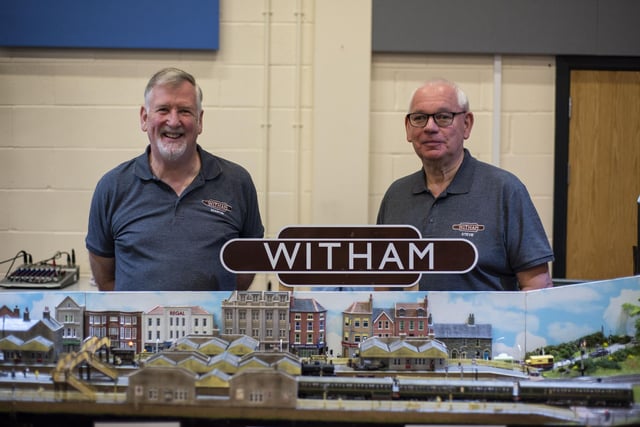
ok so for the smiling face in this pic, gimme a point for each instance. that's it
(432, 143)
(172, 120)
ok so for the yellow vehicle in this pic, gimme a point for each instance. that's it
(544, 361)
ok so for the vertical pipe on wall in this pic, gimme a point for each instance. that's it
(297, 125)
(497, 110)
(266, 101)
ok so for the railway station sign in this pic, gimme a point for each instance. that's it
(349, 256)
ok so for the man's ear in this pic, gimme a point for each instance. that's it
(468, 124)
(143, 118)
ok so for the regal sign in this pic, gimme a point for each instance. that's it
(349, 256)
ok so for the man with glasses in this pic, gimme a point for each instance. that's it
(455, 195)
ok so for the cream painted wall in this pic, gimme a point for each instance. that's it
(294, 94)
(342, 64)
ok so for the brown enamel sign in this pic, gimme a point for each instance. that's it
(349, 255)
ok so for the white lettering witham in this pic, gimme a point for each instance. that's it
(282, 249)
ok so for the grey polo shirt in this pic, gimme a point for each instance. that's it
(162, 241)
(486, 205)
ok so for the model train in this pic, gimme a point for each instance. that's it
(317, 368)
(543, 362)
(561, 393)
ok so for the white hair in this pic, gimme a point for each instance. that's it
(463, 100)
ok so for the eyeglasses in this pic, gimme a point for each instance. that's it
(442, 119)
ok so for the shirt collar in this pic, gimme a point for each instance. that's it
(461, 183)
(209, 166)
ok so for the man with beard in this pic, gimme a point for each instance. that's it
(158, 221)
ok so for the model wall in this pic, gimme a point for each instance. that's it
(293, 94)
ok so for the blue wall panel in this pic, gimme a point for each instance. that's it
(118, 24)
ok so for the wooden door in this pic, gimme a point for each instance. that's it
(604, 174)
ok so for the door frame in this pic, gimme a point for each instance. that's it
(564, 66)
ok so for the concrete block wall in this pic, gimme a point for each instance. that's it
(321, 143)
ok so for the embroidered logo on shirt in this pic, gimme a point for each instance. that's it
(217, 206)
(467, 229)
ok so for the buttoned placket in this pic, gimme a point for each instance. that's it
(430, 220)
(197, 182)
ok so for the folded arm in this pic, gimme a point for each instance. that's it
(535, 278)
(104, 271)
